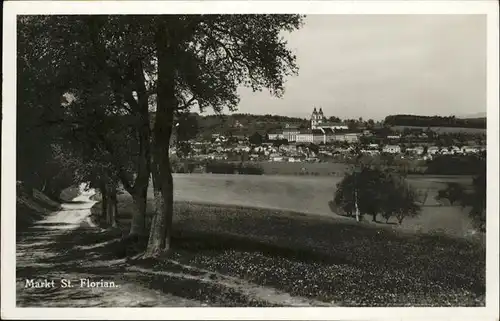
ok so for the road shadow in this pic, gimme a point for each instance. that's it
(100, 252)
(75, 202)
(41, 224)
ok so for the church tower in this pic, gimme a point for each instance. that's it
(321, 116)
(314, 119)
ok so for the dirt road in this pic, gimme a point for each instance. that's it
(66, 261)
(47, 255)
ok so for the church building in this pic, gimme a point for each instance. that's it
(318, 120)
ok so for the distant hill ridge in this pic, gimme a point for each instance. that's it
(240, 124)
(435, 121)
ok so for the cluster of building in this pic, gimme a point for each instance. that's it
(324, 134)
(320, 131)
(423, 151)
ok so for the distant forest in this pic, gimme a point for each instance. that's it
(248, 124)
(435, 121)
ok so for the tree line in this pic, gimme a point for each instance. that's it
(88, 84)
(434, 121)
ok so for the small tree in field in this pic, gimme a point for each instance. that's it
(374, 191)
(362, 190)
(474, 199)
(400, 200)
(454, 192)
(344, 195)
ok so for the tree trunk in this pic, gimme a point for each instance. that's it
(138, 226)
(140, 190)
(112, 205)
(161, 227)
(104, 202)
(157, 223)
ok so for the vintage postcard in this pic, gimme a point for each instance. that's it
(298, 160)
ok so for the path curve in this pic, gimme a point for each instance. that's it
(39, 257)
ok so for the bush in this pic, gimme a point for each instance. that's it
(221, 168)
(250, 170)
(453, 193)
(229, 168)
(474, 199)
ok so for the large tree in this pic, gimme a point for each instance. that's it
(204, 59)
(104, 63)
(117, 66)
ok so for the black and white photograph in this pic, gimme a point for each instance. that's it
(250, 156)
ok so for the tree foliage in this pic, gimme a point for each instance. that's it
(116, 69)
(256, 139)
(376, 192)
(474, 199)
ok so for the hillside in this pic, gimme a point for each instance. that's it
(245, 124)
(248, 124)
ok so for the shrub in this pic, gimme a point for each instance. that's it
(251, 170)
(453, 192)
(230, 168)
(475, 199)
(220, 168)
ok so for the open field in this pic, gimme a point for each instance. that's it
(311, 195)
(278, 233)
(323, 258)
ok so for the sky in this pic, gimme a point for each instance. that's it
(372, 66)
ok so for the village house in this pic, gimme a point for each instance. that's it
(305, 136)
(432, 150)
(419, 150)
(275, 135)
(319, 136)
(348, 137)
(290, 133)
(391, 149)
(470, 150)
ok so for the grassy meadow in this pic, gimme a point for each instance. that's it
(312, 195)
(279, 232)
